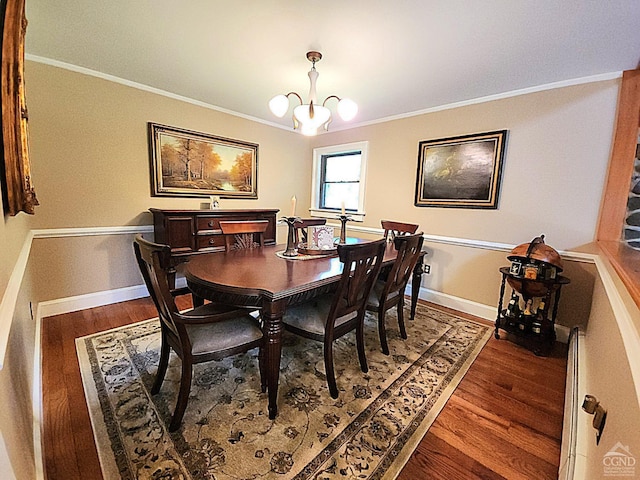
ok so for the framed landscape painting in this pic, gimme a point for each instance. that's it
(192, 164)
(460, 171)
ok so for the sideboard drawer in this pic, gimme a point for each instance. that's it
(210, 241)
(207, 223)
(210, 222)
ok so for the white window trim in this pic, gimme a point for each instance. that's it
(315, 210)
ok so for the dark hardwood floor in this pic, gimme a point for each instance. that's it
(504, 421)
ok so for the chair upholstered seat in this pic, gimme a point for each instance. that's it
(312, 316)
(376, 293)
(221, 336)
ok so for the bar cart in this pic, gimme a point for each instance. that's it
(536, 285)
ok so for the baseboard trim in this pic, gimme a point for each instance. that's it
(486, 312)
(38, 407)
(461, 304)
(91, 300)
(96, 299)
(107, 297)
(574, 434)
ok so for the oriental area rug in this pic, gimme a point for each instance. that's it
(369, 432)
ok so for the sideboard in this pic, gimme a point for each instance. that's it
(193, 232)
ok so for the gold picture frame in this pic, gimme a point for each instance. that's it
(460, 171)
(185, 163)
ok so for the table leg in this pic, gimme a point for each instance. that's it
(415, 285)
(272, 312)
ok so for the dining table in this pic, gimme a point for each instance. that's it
(264, 279)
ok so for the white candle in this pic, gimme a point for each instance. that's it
(293, 206)
(343, 207)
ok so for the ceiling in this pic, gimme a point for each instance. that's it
(391, 57)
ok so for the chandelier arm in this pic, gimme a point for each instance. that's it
(296, 124)
(295, 94)
(329, 98)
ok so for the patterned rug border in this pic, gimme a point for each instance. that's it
(414, 439)
(111, 459)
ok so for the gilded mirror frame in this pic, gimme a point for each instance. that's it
(17, 189)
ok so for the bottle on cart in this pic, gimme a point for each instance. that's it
(541, 312)
(513, 308)
(527, 308)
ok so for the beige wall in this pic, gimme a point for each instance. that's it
(16, 376)
(555, 163)
(89, 146)
(91, 166)
(90, 155)
(473, 274)
(609, 378)
(16, 386)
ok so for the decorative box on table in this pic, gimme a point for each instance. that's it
(321, 237)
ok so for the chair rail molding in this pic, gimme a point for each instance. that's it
(10, 296)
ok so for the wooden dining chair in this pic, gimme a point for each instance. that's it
(331, 316)
(243, 234)
(209, 332)
(394, 229)
(388, 292)
(301, 228)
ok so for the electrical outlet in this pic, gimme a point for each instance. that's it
(426, 269)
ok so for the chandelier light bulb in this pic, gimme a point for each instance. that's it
(308, 130)
(321, 115)
(347, 109)
(279, 105)
(311, 116)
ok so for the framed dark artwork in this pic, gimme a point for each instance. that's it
(192, 164)
(460, 171)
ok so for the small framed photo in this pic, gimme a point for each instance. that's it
(460, 171)
(192, 164)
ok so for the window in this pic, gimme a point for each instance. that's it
(339, 180)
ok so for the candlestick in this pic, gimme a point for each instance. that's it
(343, 230)
(291, 250)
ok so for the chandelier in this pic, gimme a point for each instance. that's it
(311, 116)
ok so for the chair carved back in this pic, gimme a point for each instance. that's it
(409, 248)
(362, 263)
(301, 228)
(154, 260)
(393, 229)
(242, 234)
